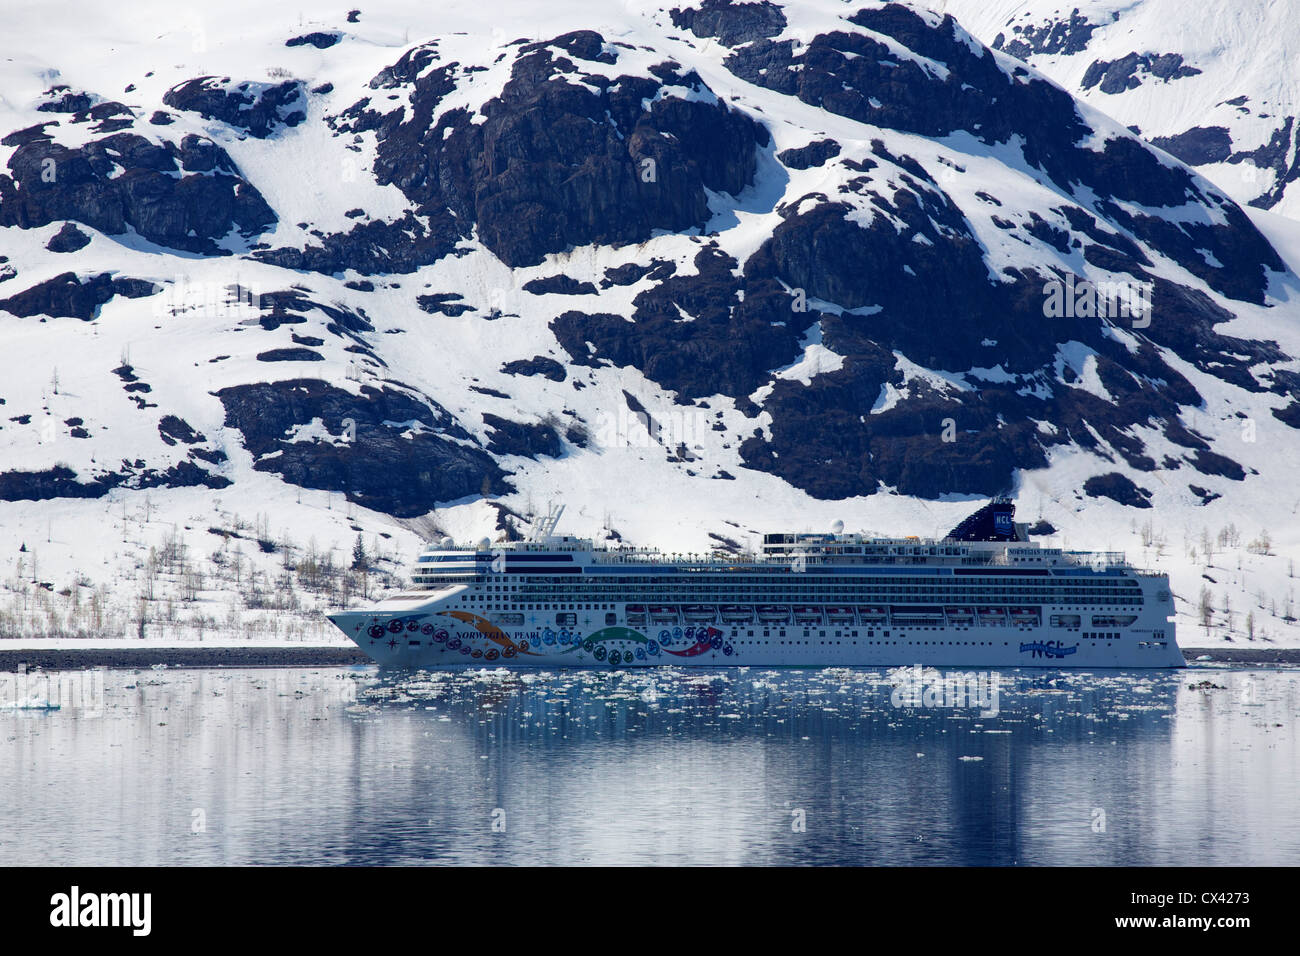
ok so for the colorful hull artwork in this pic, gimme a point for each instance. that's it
(488, 642)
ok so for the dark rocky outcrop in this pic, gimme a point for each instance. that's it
(290, 355)
(854, 75)
(1198, 145)
(556, 163)
(725, 346)
(289, 307)
(559, 285)
(815, 153)
(63, 99)
(259, 109)
(321, 41)
(633, 272)
(1278, 155)
(182, 197)
(402, 460)
(1126, 73)
(68, 239)
(374, 247)
(519, 438)
(62, 482)
(1289, 415)
(173, 429)
(70, 296)
(1051, 37)
(443, 303)
(57, 482)
(731, 22)
(1119, 488)
(537, 365)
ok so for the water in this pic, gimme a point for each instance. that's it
(296, 766)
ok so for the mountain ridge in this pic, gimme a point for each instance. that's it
(828, 286)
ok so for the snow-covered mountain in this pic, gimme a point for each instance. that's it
(1213, 86)
(275, 284)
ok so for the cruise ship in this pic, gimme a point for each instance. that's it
(982, 596)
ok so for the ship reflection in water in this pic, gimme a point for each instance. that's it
(715, 767)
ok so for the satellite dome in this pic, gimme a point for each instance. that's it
(446, 544)
(837, 527)
(485, 544)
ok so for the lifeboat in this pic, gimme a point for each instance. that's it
(1113, 621)
(663, 614)
(840, 615)
(807, 614)
(874, 615)
(917, 616)
(737, 614)
(773, 613)
(699, 613)
(959, 615)
(1024, 615)
(635, 615)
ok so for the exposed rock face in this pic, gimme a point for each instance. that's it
(904, 276)
(443, 303)
(633, 272)
(854, 75)
(1118, 488)
(1061, 36)
(68, 239)
(57, 482)
(173, 430)
(69, 296)
(565, 157)
(726, 346)
(182, 197)
(815, 153)
(559, 285)
(373, 247)
(259, 109)
(520, 438)
(1127, 73)
(731, 22)
(290, 355)
(1198, 145)
(321, 41)
(537, 365)
(64, 99)
(400, 460)
(62, 482)
(877, 333)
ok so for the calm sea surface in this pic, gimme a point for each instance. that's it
(728, 766)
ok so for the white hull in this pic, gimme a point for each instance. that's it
(979, 598)
(431, 637)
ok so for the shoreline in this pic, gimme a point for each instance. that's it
(127, 657)
(130, 658)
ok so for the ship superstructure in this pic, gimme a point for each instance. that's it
(980, 597)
